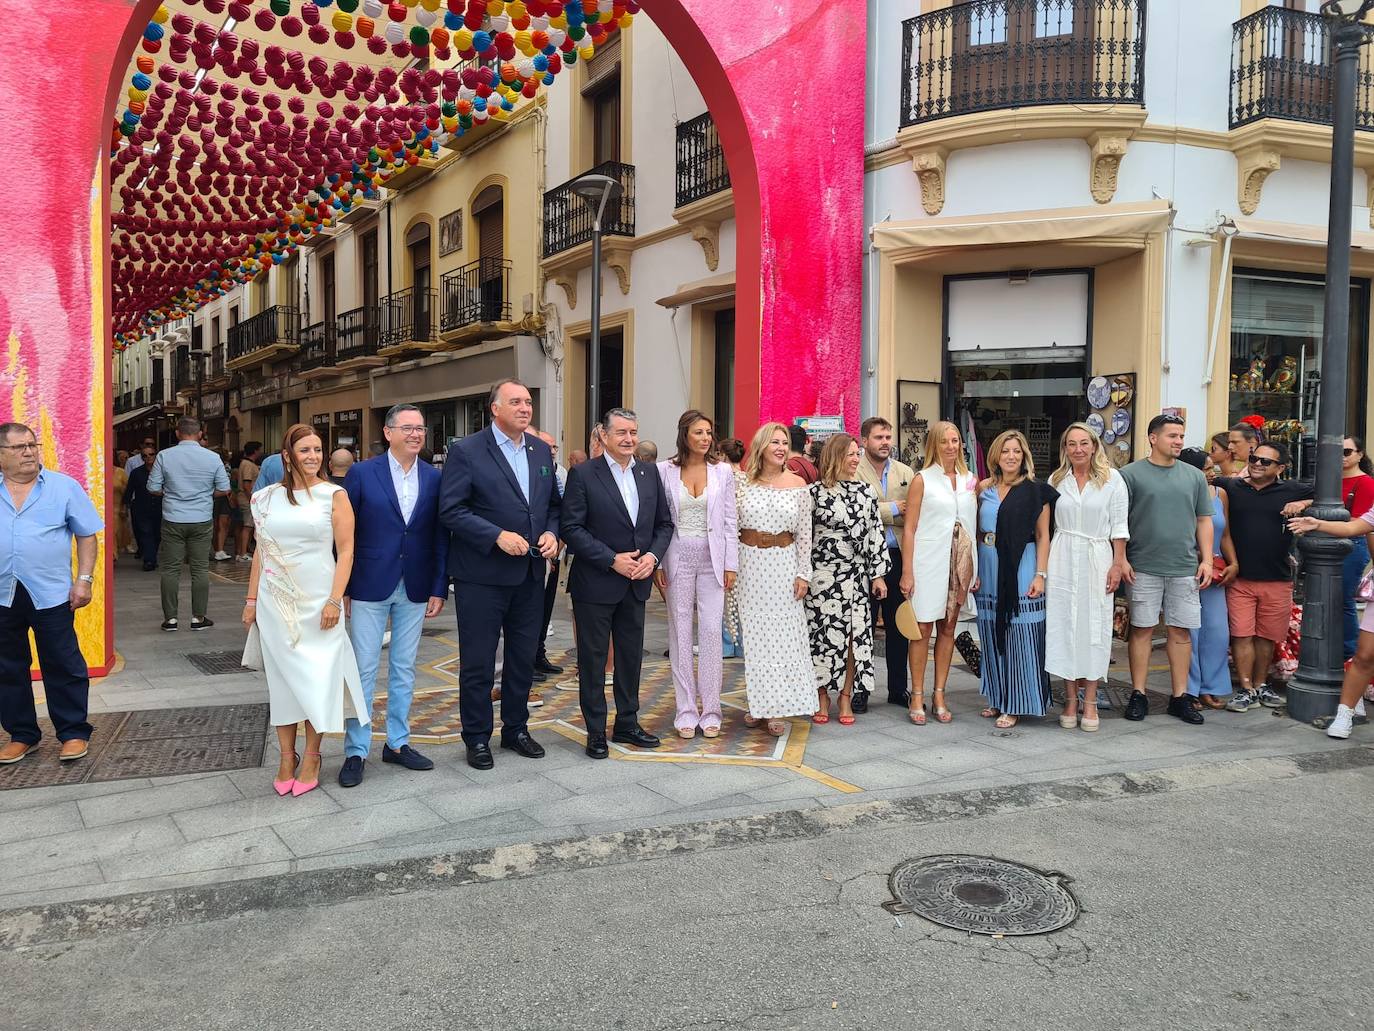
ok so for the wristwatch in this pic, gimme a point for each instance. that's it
(86, 578)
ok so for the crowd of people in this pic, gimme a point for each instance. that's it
(794, 558)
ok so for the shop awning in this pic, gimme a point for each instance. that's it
(1289, 232)
(1113, 221)
(707, 289)
(137, 413)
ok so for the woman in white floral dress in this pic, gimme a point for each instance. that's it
(848, 562)
(774, 510)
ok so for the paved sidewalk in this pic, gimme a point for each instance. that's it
(94, 840)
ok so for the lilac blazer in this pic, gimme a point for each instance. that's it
(722, 528)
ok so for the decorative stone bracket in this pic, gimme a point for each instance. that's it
(1261, 147)
(568, 281)
(1107, 151)
(703, 219)
(929, 166)
(1253, 166)
(617, 256)
(563, 269)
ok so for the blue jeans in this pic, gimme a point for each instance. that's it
(367, 623)
(1351, 571)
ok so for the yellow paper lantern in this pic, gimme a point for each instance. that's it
(342, 21)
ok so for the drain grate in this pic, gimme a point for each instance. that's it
(1118, 694)
(201, 721)
(433, 631)
(982, 895)
(177, 756)
(216, 663)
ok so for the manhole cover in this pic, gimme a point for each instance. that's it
(1116, 695)
(167, 757)
(215, 663)
(433, 631)
(200, 721)
(982, 895)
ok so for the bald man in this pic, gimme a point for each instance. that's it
(340, 461)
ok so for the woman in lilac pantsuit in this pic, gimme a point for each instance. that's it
(698, 568)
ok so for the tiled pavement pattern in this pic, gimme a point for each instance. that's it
(96, 839)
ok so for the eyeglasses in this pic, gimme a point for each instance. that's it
(1266, 462)
(22, 449)
(1348, 451)
(411, 431)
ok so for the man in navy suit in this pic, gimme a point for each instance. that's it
(400, 554)
(617, 524)
(500, 501)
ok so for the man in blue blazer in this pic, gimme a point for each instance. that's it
(400, 558)
(499, 499)
(617, 524)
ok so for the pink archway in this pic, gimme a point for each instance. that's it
(796, 161)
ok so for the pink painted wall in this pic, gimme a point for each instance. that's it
(795, 151)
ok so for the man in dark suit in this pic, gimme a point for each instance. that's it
(617, 524)
(399, 557)
(500, 501)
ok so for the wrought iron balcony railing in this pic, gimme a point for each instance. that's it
(410, 316)
(987, 55)
(568, 221)
(276, 325)
(317, 347)
(359, 333)
(183, 372)
(701, 167)
(1281, 68)
(156, 393)
(477, 292)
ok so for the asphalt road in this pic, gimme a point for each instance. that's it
(1244, 906)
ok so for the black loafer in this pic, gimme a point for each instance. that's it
(859, 703)
(596, 747)
(351, 773)
(1183, 709)
(637, 736)
(525, 745)
(1139, 706)
(904, 700)
(479, 756)
(537, 677)
(407, 757)
(543, 665)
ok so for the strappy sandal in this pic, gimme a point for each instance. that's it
(777, 728)
(942, 714)
(822, 714)
(846, 720)
(989, 713)
(1005, 721)
(917, 715)
(750, 720)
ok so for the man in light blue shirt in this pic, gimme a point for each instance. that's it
(513, 451)
(41, 511)
(189, 477)
(271, 471)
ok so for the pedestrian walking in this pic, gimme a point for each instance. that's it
(700, 565)
(1359, 673)
(42, 512)
(1259, 602)
(226, 514)
(135, 459)
(1357, 488)
(891, 480)
(1168, 562)
(1209, 673)
(849, 565)
(1087, 549)
(189, 477)
(145, 509)
(938, 525)
(119, 484)
(294, 610)
(1014, 519)
(244, 479)
(618, 527)
(399, 576)
(543, 668)
(499, 502)
(797, 460)
(773, 507)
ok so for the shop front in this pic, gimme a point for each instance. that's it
(346, 430)
(320, 424)
(212, 411)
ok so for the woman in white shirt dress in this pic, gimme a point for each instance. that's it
(943, 493)
(1086, 554)
(294, 609)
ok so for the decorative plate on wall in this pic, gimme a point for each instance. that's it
(1099, 392)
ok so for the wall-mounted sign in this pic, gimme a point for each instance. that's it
(212, 405)
(352, 415)
(320, 420)
(267, 391)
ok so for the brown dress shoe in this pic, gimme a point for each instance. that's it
(14, 751)
(76, 748)
(496, 693)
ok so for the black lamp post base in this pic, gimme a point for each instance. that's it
(1316, 689)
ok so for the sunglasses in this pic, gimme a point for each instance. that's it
(1266, 462)
(1348, 451)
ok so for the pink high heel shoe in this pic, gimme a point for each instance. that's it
(283, 787)
(298, 788)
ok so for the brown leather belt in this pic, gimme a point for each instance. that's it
(759, 539)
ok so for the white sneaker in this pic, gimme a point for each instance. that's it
(610, 679)
(1359, 708)
(244, 558)
(1343, 723)
(386, 638)
(221, 556)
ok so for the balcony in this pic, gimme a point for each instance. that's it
(184, 373)
(410, 321)
(567, 220)
(475, 297)
(359, 338)
(996, 54)
(267, 335)
(155, 394)
(139, 398)
(315, 359)
(701, 167)
(1280, 68)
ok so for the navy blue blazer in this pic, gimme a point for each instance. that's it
(385, 548)
(597, 527)
(479, 497)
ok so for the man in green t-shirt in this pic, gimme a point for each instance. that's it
(1168, 561)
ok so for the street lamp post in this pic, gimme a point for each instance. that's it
(596, 192)
(1316, 688)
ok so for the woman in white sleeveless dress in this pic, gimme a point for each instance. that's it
(943, 493)
(294, 609)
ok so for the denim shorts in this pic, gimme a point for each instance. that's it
(1176, 596)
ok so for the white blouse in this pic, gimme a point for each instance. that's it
(691, 514)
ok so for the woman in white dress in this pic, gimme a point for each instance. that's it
(942, 494)
(1086, 556)
(774, 511)
(294, 609)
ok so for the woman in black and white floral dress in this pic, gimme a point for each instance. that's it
(848, 561)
